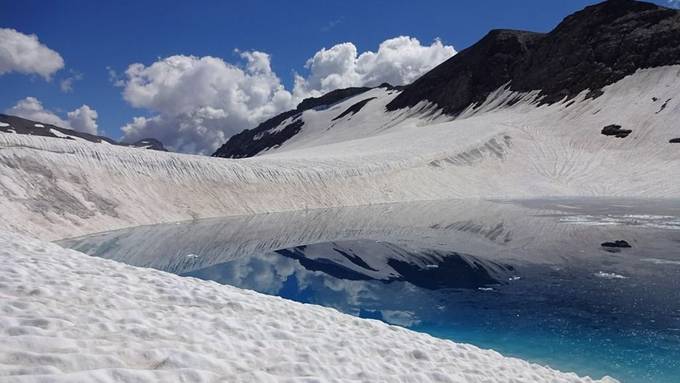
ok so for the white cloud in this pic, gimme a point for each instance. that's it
(674, 3)
(195, 104)
(398, 61)
(83, 119)
(31, 108)
(199, 102)
(114, 77)
(25, 54)
(66, 84)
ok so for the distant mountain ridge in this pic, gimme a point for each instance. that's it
(588, 50)
(19, 125)
(252, 141)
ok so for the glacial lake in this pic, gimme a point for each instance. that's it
(584, 285)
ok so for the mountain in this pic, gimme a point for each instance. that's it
(587, 51)
(18, 125)
(279, 128)
(590, 109)
(147, 143)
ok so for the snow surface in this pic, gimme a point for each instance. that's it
(107, 321)
(74, 318)
(60, 188)
(3, 124)
(68, 317)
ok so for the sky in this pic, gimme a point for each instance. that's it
(193, 73)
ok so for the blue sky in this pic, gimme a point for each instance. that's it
(93, 35)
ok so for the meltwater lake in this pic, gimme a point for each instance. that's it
(584, 285)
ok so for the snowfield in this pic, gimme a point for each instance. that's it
(56, 188)
(68, 317)
(65, 316)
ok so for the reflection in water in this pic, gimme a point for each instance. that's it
(530, 279)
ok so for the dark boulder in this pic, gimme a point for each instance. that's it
(616, 131)
(620, 244)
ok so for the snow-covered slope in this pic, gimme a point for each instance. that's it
(18, 125)
(588, 109)
(74, 318)
(58, 188)
(68, 317)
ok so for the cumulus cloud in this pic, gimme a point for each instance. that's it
(31, 108)
(199, 102)
(25, 54)
(83, 119)
(194, 104)
(398, 61)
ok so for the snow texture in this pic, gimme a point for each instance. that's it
(68, 317)
(59, 188)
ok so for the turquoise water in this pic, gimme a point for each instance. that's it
(531, 279)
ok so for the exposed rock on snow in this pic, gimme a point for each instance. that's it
(354, 109)
(617, 244)
(148, 143)
(270, 133)
(18, 125)
(616, 131)
(68, 317)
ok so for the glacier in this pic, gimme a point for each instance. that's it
(509, 147)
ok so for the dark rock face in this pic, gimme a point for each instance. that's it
(250, 142)
(616, 131)
(472, 74)
(253, 141)
(18, 125)
(590, 49)
(354, 109)
(663, 106)
(674, 141)
(620, 244)
(330, 98)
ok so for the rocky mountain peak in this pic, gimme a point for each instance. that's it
(588, 50)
